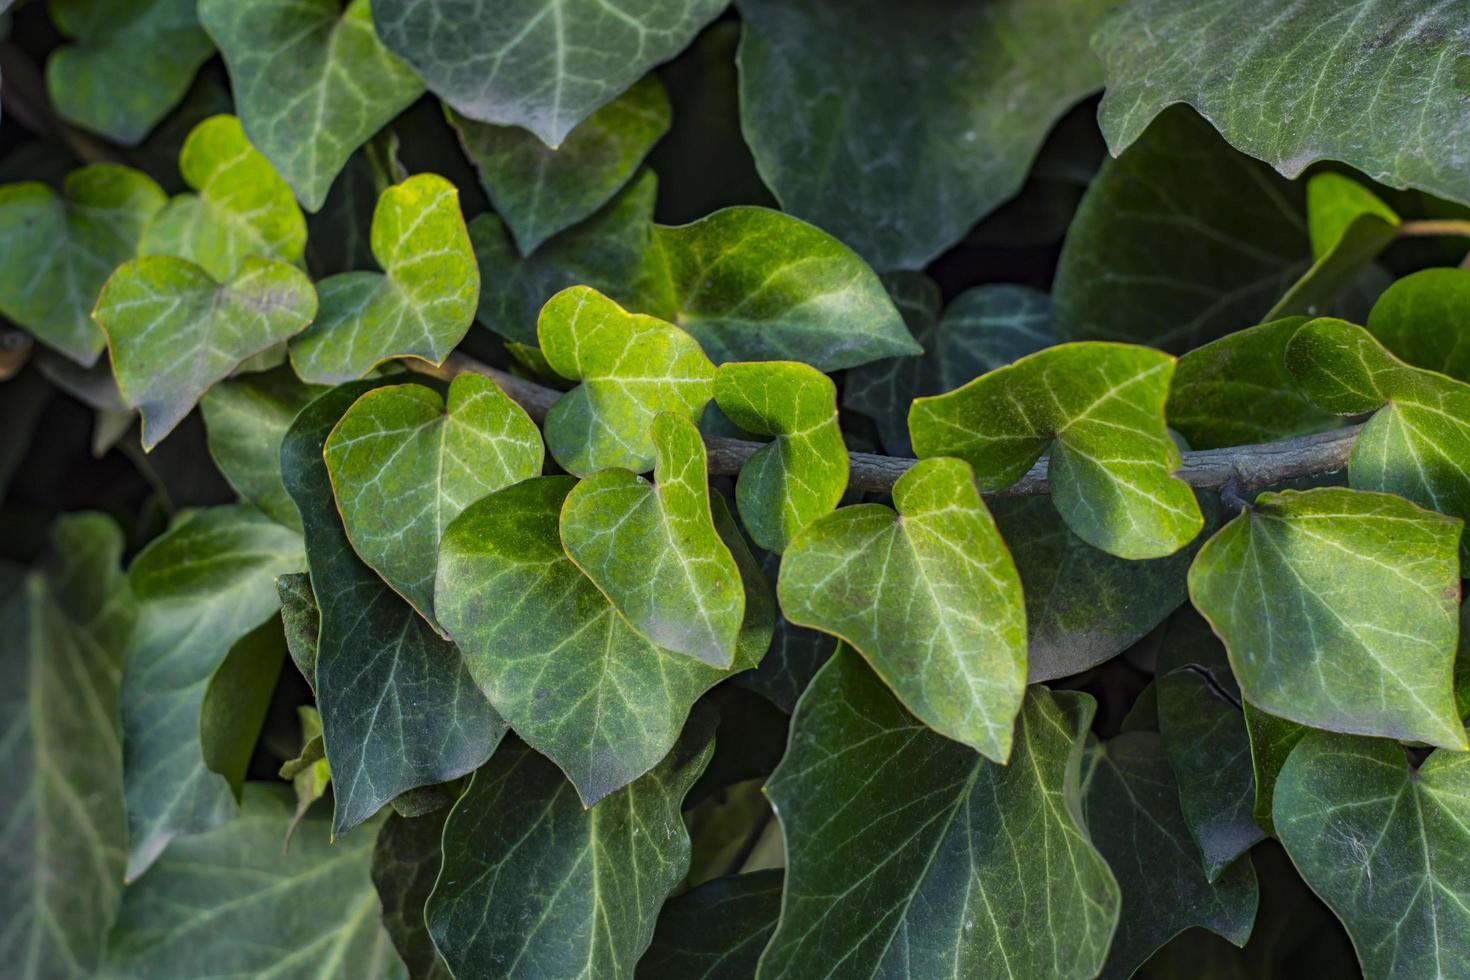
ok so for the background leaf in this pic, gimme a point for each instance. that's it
(715, 931)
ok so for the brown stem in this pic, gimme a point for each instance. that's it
(1435, 226)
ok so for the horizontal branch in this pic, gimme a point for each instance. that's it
(1250, 467)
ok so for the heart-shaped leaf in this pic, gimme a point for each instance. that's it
(420, 306)
(174, 332)
(1111, 457)
(1339, 610)
(929, 595)
(311, 80)
(653, 550)
(1421, 318)
(632, 367)
(56, 250)
(242, 207)
(404, 463)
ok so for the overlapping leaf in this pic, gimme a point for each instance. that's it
(1422, 317)
(715, 931)
(301, 621)
(406, 862)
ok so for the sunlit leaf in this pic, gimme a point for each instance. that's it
(1422, 317)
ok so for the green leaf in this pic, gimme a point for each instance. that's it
(309, 772)
(242, 207)
(1389, 56)
(202, 587)
(62, 847)
(545, 887)
(1178, 241)
(56, 250)
(404, 463)
(653, 550)
(543, 65)
(910, 855)
(538, 191)
(1338, 609)
(1098, 411)
(1383, 844)
(100, 81)
(174, 332)
(311, 80)
(1419, 318)
(715, 931)
(405, 864)
(569, 674)
(802, 473)
(399, 708)
(929, 595)
(420, 306)
(903, 158)
(1272, 740)
(632, 368)
(236, 700)
(301, 621)
(1417, 444)
(234, 900)
(246, 417)
(1237, 390)
(796, 654)
(1131, 804)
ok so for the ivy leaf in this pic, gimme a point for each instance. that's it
(652, 548)
(242, 207)
(420, 307)
(1262, 57)
(548, 887)
(544, 66)
(100, 82)
(405, 864)
(539, 191)
(1419, 318)
(1111, 455)
(65, 835)
(311, 80)
(715, 931)
(265, 910)
(1272, 740)
(1383, 845)
(399, 708)
(571, 676)
(1237, 390)
(56, 250)
(404, 463)
(1131, 804)
(795, 656)
(1135, 266)
(980, 864)
(1338, 609)
(174, 332)
(802, 473)
(201, 587)
(929, 595)
(301, 621)
(632, 368)
(246, 417)
(904, 159)
(309, 772)
(236, 700)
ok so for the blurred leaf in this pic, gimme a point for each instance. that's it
(236, 701)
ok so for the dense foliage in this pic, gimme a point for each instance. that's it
(818, 488)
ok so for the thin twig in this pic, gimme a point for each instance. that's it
(1433, 226)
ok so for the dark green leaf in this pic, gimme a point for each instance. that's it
(302, 622)
(236, 700)
(716, 931)
(405, 864)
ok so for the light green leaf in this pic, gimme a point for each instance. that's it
(405, 864)
(800, 475)
(545, 887)
(56, 250)
(538, 191)
(311, 81)
(404, 463)
(309, 772)
(715, 931)
(1421, 318)
(1292, 84)
(201, 587)
(570, 675)
(399, 708)
(234, 901)
(902, 158)
(64, 837)
(420, 306)
(174, 332)
(1338, 609)
(1097, 410)
(245, 418)
(910, 855)
(652, 548)
(632, 368)
(99, 80)
(302, 622)
(544, 65)
(929, 595)
(1384, 845)
(242, 207)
